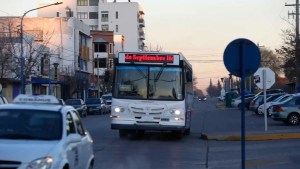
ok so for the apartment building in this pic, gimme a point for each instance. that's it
(58, 59)
(123, 18)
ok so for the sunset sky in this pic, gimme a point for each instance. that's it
(200, 29)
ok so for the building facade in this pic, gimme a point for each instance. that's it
(123, 18)
(63, 64)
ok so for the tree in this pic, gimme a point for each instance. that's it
(271, 60)
(287, 54)
(212, 90)
(33, 47)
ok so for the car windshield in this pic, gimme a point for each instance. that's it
(73, 102)
(146, 82)
(106, 97)
(30, 124)
(93, 101)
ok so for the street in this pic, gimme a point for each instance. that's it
(161, 151)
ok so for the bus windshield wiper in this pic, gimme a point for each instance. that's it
(160, 72)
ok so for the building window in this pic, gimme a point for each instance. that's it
(94, 2)
(93, 27)
(117, 28)
(93, 15)
(111, 48)
(104, 16)
(117, 14)
(101, 61)
(82, 15)
(104, 27)
(100, 47)
(82, 2)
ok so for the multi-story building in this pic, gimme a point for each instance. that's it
(123, 18)
(59, 58)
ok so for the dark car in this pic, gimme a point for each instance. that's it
(202, 98)
(95, 105)
(79, 105)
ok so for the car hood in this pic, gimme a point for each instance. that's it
(18, 150)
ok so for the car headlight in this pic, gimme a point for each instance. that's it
(176, 112)
(41, 163)
(119, 109)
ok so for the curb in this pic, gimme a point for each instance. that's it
(258, 137)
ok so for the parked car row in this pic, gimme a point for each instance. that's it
(90, 106)
(279, 106)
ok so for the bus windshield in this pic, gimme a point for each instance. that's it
(148, 82)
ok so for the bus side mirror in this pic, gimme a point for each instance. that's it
(189, 77)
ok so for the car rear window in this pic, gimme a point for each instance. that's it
(73, 102)
(93, 101)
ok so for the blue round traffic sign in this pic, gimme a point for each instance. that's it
(241, 55)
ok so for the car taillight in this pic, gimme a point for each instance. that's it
(277, 108)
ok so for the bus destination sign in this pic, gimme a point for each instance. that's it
(149, 58)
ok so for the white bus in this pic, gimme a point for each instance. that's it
(152, 91)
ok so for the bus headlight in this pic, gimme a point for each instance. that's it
(42, 163)
(119, 109)
(176, 112)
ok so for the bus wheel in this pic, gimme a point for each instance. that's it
(187, 131)
(123, 133)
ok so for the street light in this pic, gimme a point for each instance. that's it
(22, 57)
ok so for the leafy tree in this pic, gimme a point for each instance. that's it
(287, 54)
(271, 60)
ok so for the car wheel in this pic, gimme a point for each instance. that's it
(256, 111)
(293, 119)
(239, 106)
(187, 131)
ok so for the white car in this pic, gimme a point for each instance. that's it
(282, 98)
(36, 132)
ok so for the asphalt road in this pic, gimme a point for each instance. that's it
(162, 151)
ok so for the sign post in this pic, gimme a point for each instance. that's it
(268, 79)
(242, 59)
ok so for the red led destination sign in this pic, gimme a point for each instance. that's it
(149, 58)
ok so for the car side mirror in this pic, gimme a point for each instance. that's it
(73, 138)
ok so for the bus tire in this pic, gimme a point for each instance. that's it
(187, 132)
(123, 133)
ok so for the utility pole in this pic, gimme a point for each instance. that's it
(297, 46)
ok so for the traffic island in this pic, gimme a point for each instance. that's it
(258, 137)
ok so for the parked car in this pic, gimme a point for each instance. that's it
(287, 111)
(260, 109)
(108, 99)
(3, 100)
(270, 103)
(237, 101)
(79, 105)
(271, 91)
(256, 102)
(62, 102)
(95, 105)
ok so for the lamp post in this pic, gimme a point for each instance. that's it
(22, 57)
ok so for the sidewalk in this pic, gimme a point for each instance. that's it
(225, 125)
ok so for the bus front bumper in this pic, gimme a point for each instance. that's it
(148, 127)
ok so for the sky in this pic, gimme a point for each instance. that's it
(200, 29)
